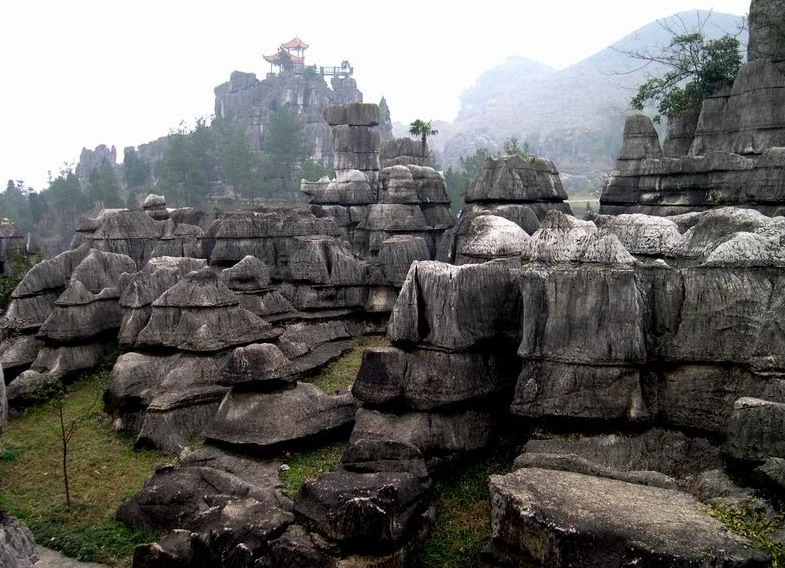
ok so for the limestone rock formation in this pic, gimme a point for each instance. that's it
(246, 99)
(553, 518)
(727, 155)
(519, 189)
(17, 546)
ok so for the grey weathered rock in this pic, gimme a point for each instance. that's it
(402, 152)
(425, 379)
(558, 325)
(728, 155)
(363, 511)
(144, 287)
(555, 518)
(766, 40)
(353, 114)
(30, 387)
(132, 233)
(323, 260)
(397, 254)
(19, 351)
(669, 452)
(200, 313)
(438, 302)
(17, 546)
(755, 430)
(551, 389)
(437, 437)
(489, 237)
(209, 482)
(182, 240)
(517, 179)
(165, 400)
(640, 139)
(275, 418)
(259, 365)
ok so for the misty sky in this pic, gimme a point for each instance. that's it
(83, 72)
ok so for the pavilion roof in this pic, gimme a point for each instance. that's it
(295, 43)
(276, 58)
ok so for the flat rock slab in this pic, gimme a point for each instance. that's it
(50, 559)
(558, 519)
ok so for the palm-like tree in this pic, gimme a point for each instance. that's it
(422, 129)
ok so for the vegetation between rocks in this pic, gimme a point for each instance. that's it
(755, 525)
(462, 527)
(340, 373)
(104, 469)
(310, 464)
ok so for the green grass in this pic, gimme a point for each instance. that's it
(310, 464)
(104, 469)
(462, 526)
(340, 373)
(755, 525)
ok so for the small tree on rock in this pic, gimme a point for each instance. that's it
(695, 69)
(422, 129)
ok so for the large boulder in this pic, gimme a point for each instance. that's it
(264, 420)
(557, 519)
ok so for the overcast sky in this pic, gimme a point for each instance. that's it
(122, 72)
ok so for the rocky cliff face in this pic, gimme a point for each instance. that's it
(251, 101)
(728, 154)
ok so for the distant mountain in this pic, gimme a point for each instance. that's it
(573, 116)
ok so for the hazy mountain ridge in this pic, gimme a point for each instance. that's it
(573, 116)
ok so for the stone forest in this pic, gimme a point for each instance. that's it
(631, 363)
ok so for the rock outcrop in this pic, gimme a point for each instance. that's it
(251, 101)
(729, 154)
(518, 192)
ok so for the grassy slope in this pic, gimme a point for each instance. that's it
(104, 469)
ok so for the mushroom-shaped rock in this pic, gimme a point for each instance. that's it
(271, 419)
(259, 365)
(101, 270)
(248, 274)
(517, 179)
(80, 314)
(491, 237)
(563, 238)
(200, 313)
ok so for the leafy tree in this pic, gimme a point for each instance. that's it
(238, 164)
(15, 205)
(66, 197)
(422, 129)
(512, 147)
(103, 187)
(136, 171)
(313, 171)
(187, 168)
(696, 68)
(284, 147)
(460, 178)
(38, 206)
